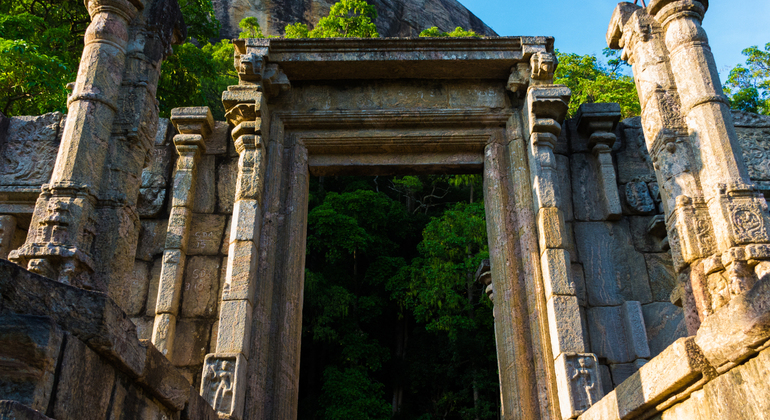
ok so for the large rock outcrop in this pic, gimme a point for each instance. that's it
(397, 18)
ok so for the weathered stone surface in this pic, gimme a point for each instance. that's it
(225, 248)
(152, 292)
(637, 198)
(665, 324)
(152, 238)
(133, 295)
(578, 277)
(201, 287)
(227, 174)
(29, 350)
(580, 383)
(219, 139)
(206, 234)
(29, 153)
(607, 334)
(643, 240)
(636, 334)
(192, 342)
(557, 273)
(223, 385)
(80, 366)
(565, 325)
(614, 271)
(143, 327)
(13, 410)
(663, 278)
(564, 198)
(551, 228)
(205, 188)
(741, 393)
(395, 19)
(586, 194)
(731, 334)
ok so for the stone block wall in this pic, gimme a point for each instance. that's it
(207, 248)
(69, 353)
(629, 295)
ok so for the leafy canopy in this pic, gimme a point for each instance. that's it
(749, 86)
(346, 19)
(591, 81)
(459, 32)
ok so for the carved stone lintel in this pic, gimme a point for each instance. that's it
(223, 384)
(580, 384)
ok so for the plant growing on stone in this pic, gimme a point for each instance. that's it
(458, 32)
(346, 19)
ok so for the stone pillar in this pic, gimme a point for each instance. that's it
(738, 210)
(84, 228)
(545, 107)
(63, 227)
(597, 122)
(715, 218)
(515, 356)
(194, 125)
(7, 230)
(247, 110)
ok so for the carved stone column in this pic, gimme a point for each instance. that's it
(545, 108)
(598, 121)
(194, 125)
(85, 227)
(63, 228)
(738, 210)
(709, 204)
(246, 110)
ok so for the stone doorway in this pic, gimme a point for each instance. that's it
(380, 107)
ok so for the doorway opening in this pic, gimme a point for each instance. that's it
(394, 323)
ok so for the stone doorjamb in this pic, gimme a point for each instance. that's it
(281, 143)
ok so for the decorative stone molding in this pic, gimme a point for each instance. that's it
(580, 373)
(194, 125)
(598, 121)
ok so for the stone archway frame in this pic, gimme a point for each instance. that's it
(377, 107)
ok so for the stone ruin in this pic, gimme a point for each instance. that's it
(159, 264)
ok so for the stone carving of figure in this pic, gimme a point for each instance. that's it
(222, 379)
(584, 383)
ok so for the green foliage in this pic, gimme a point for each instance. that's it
(459, 32)
(250, 28)
(590, 81)
(196, 76)
(346, 19)
(749, 86)
(40, 47)
(202, 24)
(395, 257)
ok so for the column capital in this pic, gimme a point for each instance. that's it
(126, 9)
(193, 120)
(663, 10)
(598, 121)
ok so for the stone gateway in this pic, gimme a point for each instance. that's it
(156, 267)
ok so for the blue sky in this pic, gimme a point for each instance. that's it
(580, 25)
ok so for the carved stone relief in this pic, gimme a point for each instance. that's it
(220, 386)
(580, 373)
(27, 158)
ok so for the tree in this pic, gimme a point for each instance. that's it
(748, 87)
(40, 47)
(346, 19)
(459, 32)
(590, 81)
